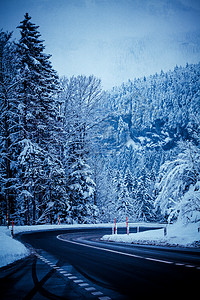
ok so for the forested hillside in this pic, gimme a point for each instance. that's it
(154, 130)
(68, 148)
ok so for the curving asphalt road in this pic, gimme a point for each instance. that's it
(76, 264)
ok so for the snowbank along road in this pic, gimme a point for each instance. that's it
(76, 264)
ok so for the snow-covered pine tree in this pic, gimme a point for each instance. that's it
(38, 111)
(81, 192)
(128, 181)
(106, 196)
(124, 204)
(39, 84)
(8, 125)
(143, 201)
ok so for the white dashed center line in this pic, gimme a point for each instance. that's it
(89, 289)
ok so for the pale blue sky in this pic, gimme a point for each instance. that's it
(112, 39)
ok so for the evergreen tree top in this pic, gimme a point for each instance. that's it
(30, 35)
(33, 60)
(27, 25)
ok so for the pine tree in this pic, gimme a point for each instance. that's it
(144, 201)
(124, 204)
(38, 111)
(81, 192)
(107, 193)
(39, 84)
(124, 196)
(128, 181)
(8, 124)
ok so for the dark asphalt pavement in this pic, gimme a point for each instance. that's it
(80, 266)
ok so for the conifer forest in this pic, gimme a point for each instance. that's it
(68, 148)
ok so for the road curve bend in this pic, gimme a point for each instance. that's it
(103, 270)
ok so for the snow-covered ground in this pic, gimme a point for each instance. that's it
(177, 235)
(10, 249)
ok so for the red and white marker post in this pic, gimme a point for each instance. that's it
(127, 226)
(115, 226)
(58, 220)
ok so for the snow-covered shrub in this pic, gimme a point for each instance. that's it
(178, 186)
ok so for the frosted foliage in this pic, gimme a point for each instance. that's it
(178, 186)
(190, 208)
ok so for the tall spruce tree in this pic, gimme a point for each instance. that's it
(8, 124)
(37, 122)
(39, 84)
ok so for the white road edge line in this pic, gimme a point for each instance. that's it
(159, 260)
(126, 254)
(114, 251)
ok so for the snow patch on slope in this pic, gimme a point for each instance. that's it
(10, 249)
(177, 235)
